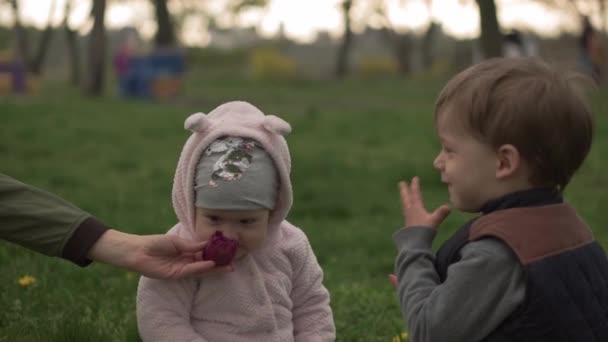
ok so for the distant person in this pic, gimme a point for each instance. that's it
(517, 44)
(45, 223)
(513, 132)
(122, 60)
(592, 51)
(232, 187)
(513, 45)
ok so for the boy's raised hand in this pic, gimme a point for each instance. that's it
(414, 212)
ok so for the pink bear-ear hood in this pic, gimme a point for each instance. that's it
(239, 119)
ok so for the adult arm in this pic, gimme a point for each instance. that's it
(45, 223)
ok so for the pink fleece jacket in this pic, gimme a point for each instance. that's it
(275, 293)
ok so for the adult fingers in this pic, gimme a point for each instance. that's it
(184, 245)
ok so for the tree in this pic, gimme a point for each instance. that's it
(72, 45)
(20, 35)
(97, 50)
(399, 43)
(165, 34)
(347, 37)
(32, 64)
(36, 63)
(491, 38)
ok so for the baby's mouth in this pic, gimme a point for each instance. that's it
(220, 249)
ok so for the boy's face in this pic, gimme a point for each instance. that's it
(467, 166)
(248, 227)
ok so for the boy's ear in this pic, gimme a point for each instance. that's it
(508, 161)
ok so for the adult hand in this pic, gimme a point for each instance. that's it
(154, 256)
(414, 212)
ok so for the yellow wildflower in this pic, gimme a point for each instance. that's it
(26, 280)
(401, 337)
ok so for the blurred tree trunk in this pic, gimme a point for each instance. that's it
(344, 49)
(428, 41)
(401, 47)
(35, 65)
(491, 38)
(165, 35)
(400, 44)
(604, 15)
(97, 50)
(72, 44)
(20, 35)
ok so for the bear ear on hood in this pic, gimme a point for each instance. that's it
(276, 125)
(197, 122)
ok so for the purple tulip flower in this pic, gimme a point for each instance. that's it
(220, 249)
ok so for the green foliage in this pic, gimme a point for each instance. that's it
(271, 64)
(209, 57)
(351, 143)
(373, 67)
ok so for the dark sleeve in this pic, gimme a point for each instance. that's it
(45, 223)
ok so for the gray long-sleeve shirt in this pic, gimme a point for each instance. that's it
(480, 291)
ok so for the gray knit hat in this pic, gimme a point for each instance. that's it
(234, 173)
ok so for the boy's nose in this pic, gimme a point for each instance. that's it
(437, 163)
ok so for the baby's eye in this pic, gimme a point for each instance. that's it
(247, 221)
(213, 218)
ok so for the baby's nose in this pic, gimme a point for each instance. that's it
(230, 233)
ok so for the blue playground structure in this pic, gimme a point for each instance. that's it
(12, 78)
(154, 76)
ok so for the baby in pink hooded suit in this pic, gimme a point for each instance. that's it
(233, 177)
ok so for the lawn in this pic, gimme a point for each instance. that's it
(351, 143)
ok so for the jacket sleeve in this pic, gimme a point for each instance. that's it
(45, 223)
(163, 310)
(480, 291)
(312, 316)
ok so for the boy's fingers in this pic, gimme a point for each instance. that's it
(404, 194)
(441, 213)
(416, 196)
(393, 279)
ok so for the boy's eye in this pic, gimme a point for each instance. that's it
(247, 221)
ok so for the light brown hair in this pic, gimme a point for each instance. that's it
(524, 102)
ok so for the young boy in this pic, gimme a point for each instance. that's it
(513, 132)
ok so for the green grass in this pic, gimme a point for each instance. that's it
(351, 143)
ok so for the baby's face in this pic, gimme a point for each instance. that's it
(248, 227)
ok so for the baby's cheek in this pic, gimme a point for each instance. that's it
(255, 239)
(203, 233)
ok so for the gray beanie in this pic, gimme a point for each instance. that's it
(235, 174)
